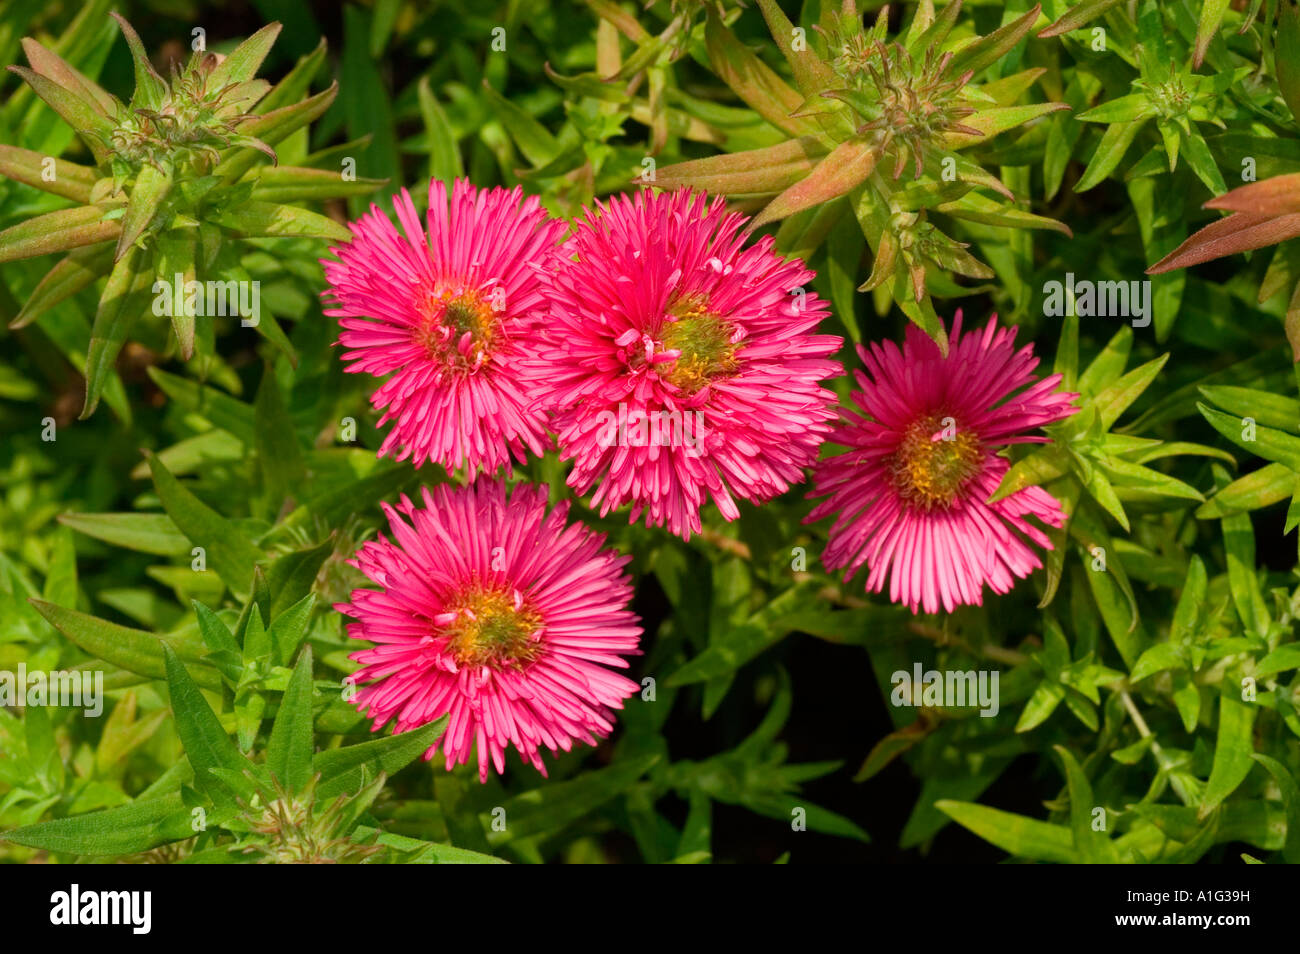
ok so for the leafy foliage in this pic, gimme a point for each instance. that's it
(915, 156)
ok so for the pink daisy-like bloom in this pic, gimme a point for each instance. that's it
(448, 314)
(911, 495)
(684, 365)
(497, 613)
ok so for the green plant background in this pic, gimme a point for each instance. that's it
(1121, 685)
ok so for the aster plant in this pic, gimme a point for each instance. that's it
(493, 613)
(450, 316)
(565, 505)
(680, 364)
(911, 497)
(864, 110)
(177, 174)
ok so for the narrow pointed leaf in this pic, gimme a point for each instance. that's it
(151, 188)
(134, 650)
(229, 554)
(91, 125)
(1239, 232)
(72, 181)
(206, 744)
(344, 771)
(59, 231)
(989, 49)
(847, 166)
(244, 61)
(1233, 749)
(1015, 834)
(50, 64)
(254, 219)
(77, 271)
(123, 300)
(150, 89)
(289, 749)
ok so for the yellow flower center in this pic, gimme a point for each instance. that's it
(703, 339)
(459, 327)
(495, 628)
(935, 459)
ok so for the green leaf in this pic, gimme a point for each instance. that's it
(333, 506)
(124, 830)
(1041, 705)
(242, 64)
(1287, 56)
(272, 127)
(1268, 442)
(221, 409)
(292, 576)
(1093, 847)
(177, 249)
(277, 444)
(444, 152)
(1158, 658)
(1259, 488)
(533, 139)
(1039, 467)
(134, 650)
(1264, 407)
(1283, 659)
(1125, 109)
(289, 749)
(58, 231)
(346, 770)
(1233, 749)
(1109, 153)
(124, 299)
(61, 575)
(72, 181)
(225, 652)
(252, 219)
(1239, 544)
(288, 630)
(1108, 365)
(1078, 15)
(1290, 801)
(754, 171)
(553, 806)
(152, 185)
(1202, 163)
(275, 184)
(987, 50)
(1017, 835)
(150, 89)
(1207, 28)
(752, 80)
(91, 125)
(207, 745)
(1115, 399)
(847, 166)
(229, 553)
(1192, 602)
(426, 852)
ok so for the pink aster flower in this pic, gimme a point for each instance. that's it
(496, 612)
(684, 365)
(447, 314)
(911, 495)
